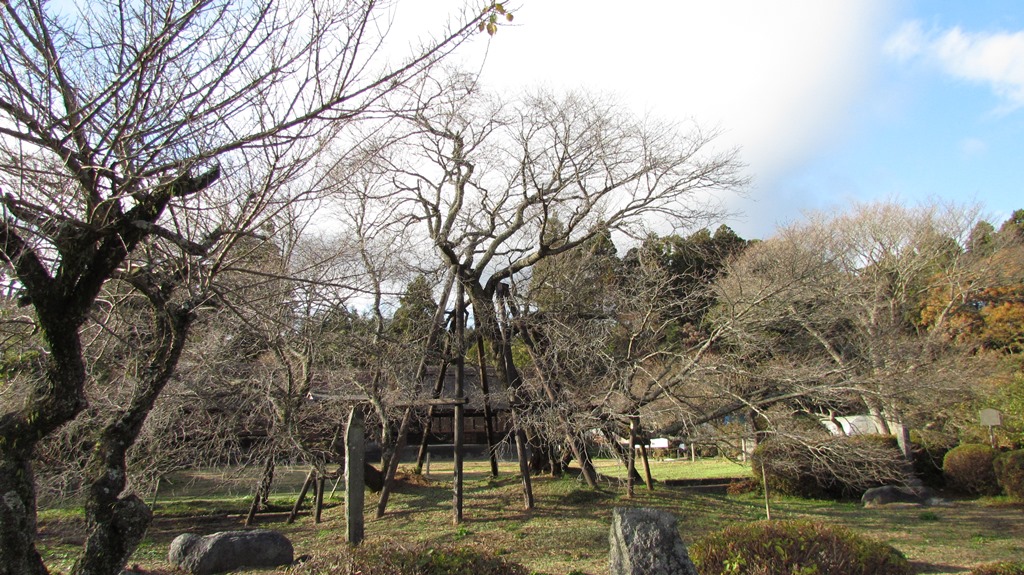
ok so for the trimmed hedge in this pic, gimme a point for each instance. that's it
(1009, 470)
(968, 468)
(795, 548)
(391, 559)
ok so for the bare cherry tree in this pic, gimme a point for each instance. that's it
(486, 179)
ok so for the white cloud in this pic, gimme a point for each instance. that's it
(973, 147)
(906, 42)
(992, 58)
(778, 78)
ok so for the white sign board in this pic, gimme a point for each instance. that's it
(991, 417)
(659, 443)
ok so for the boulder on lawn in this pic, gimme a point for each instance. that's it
(229, 550)
(646, 542)
(892, 494)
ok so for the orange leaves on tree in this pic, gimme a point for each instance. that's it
(492, 16)
(1003, 325)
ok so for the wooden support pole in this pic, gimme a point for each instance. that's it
(302, 495)
(642, 438)
(631, 459)
(647, 467)
(421, 455)
(524, 467)
(392, 463)
(458, 424)
(355, 482)
(334, 487)
(488, 414)
(320, 485)
(764, 485)
(436, 327)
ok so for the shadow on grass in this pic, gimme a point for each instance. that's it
(925, 567)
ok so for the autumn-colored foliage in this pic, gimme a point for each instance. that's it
(984, 307)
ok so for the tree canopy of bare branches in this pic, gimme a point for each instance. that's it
(119, 123)
(498, 185)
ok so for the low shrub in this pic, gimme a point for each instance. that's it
(741, 486)
(999, 569)
(1009, 470)
(968, 468)
(391, 559)
(795, 548)
(835, 467)
(781, 466)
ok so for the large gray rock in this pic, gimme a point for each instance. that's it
(229, 550)
(646, 542)
(892, 494)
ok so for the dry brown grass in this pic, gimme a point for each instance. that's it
(568, 529)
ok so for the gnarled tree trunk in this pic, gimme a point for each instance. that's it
(116, 524)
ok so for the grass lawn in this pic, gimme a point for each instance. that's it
(668, 469)
(568, 528)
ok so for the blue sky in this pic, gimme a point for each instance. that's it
(829, 102)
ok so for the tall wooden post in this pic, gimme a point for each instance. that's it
(459, 423)
(355, 482)
(648, 479)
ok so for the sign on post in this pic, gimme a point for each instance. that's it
(993, 418)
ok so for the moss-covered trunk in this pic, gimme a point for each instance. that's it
(56, 399)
